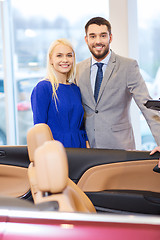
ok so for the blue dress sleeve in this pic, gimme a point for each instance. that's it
(83, 121)
(40, 101)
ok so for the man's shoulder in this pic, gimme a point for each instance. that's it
(122, 59)
(84, 62)
(81, 68)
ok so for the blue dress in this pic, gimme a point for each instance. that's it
(66, 119)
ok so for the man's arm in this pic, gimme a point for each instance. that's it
(138, 88)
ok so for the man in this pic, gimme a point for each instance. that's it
(108, 122)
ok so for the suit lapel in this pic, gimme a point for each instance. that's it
(109, 69)
(88, 81)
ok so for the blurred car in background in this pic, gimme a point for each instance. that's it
(25, 120)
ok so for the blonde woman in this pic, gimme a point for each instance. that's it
(56, 100)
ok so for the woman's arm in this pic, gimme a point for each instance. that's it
(40, 99)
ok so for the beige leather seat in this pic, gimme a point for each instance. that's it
(36, 137)
(51, 167)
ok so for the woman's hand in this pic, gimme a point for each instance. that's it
(87, 144)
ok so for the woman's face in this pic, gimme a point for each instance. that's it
(62, 59)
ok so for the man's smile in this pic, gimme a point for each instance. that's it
(99, 47)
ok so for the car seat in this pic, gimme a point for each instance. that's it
(36, 137)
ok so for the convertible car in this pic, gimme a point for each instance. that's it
(92, 194)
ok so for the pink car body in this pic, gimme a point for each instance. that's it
(30, 225)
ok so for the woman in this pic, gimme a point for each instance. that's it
(56, 100)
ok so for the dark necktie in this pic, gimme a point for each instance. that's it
(98, 81)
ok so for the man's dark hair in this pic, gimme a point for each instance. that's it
(99, 21)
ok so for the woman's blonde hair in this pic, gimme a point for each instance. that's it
(51, 76)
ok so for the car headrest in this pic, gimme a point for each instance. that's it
(51, 167)
(36, 136)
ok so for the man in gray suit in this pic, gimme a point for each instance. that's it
(107, 109)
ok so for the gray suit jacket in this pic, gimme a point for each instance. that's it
(108, 122)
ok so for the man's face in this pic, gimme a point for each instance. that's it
(98, 41)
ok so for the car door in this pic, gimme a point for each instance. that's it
(14, 163)
(117, 180)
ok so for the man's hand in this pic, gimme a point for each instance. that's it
(156, 149)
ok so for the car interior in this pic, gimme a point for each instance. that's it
(110, 181)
